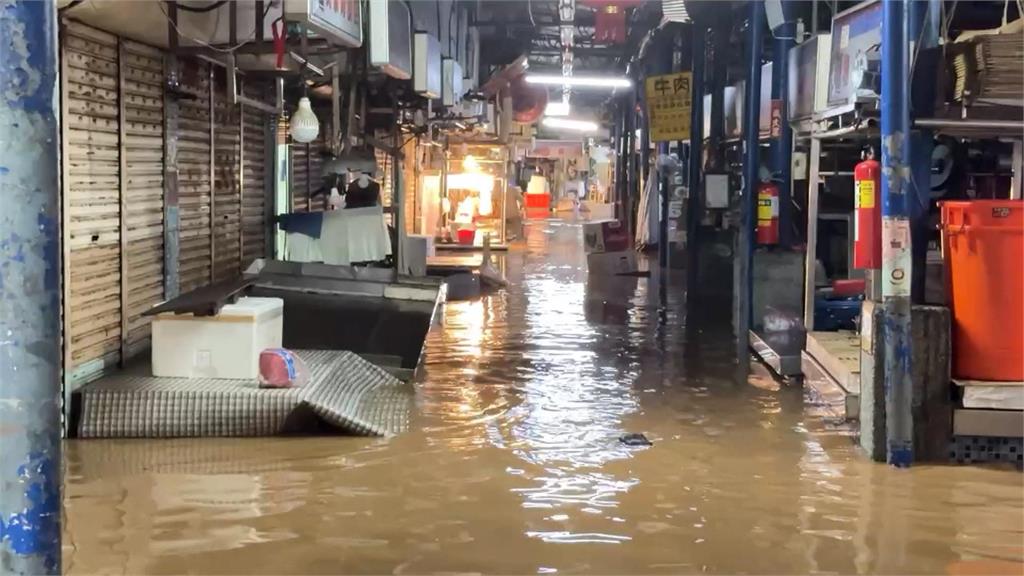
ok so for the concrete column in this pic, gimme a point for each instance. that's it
(30, 427)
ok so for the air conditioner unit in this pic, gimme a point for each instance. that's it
(471, 70)
(807, 85)
(426, 77)
(451, 82)
(389, 38)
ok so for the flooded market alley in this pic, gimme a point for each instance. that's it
(513, 463)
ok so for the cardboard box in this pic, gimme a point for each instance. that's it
(605, 236)
(611, 263)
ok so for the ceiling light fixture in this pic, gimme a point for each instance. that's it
(569, 124)
(304, 126)
(579, 81)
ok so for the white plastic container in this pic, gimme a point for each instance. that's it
(227, 345)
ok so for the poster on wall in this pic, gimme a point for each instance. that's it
(668, 106)
(338, 21)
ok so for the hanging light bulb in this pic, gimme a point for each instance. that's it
(304, 126)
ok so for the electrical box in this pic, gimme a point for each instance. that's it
(389, 42)
(807, 85)
(426, 77)
(451, 82)
(716, 190)
(471, 70)
(338, 21)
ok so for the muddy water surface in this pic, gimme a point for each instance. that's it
(513, 463)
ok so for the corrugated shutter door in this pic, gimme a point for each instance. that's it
(256, 160)
(384, 175)
(227, 192)
(298, 186)
(143, 91)
(92, 213)
(316, 161)
(194, 177)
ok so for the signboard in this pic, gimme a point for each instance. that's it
(338, 21)
(668, 106)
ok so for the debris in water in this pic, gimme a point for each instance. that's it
(635, 439)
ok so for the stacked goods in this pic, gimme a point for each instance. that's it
(986, 66)
(608, 250)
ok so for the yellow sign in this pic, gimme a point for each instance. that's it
(864, 195)
(668, 106)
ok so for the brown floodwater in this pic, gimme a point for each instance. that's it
(513, 463)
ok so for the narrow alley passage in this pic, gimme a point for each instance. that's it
(513, 463)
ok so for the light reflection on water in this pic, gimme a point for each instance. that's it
(513, 463)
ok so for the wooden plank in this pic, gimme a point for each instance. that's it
(839, 354)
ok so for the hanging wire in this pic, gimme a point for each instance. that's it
(205, 43)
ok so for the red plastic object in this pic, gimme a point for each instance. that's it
(867, 214)
(850, 287)
(983, 248)
(278, 368)
(466, 236)
(538, 201)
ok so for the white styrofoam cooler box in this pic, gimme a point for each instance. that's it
(227, 345)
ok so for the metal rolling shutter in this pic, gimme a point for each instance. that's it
(226, 225)
(142, 97)
(194, 176)
(91, 206)
(315, 179)
(256, 158)
(384, 174)
(299, 185)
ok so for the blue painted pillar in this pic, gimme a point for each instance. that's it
(897, 264)
(30, 429)
(744, 281)
(694, 207)
(782, 147)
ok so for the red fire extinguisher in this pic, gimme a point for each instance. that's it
(867, 235)
(767, 213)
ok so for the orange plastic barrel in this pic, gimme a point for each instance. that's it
(983, 249)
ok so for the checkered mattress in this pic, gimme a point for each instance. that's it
(344, 393)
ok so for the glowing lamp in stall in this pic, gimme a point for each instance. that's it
(482, 184)
(304, 126)
(569, 124)
(558, 108)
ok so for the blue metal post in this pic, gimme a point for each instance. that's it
(782, 147)
(896, 236)
(693, 204)
(744, 282)
(30, 429)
